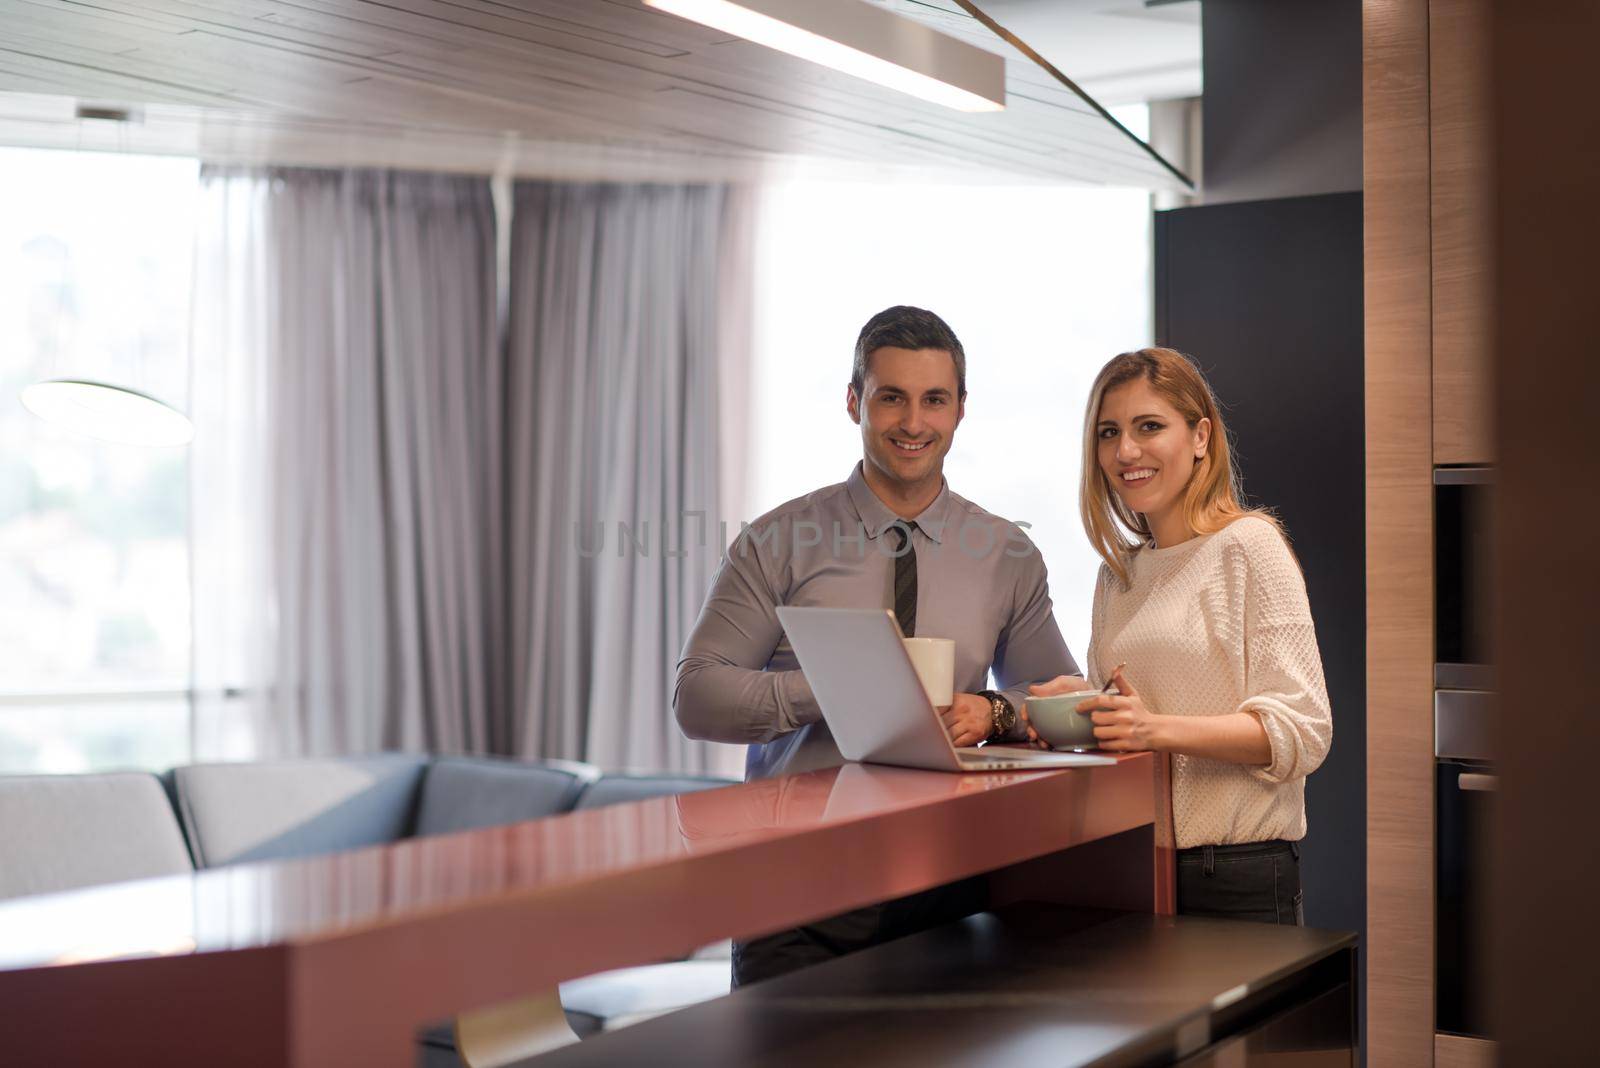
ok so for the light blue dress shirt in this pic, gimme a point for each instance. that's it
(980, 581)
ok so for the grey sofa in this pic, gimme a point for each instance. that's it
(233, 813)
(64, 832)
(61, 832)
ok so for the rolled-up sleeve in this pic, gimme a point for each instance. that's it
(1030, 649)
(1283, 666)
(723, 692)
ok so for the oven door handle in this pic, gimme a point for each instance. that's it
(1477, 780)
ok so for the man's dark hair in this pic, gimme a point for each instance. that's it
(905, 327)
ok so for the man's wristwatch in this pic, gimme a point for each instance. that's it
(1002, 717)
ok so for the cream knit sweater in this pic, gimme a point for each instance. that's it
(1220, 623)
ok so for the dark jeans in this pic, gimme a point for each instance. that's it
(787, 951)
(1259, 882)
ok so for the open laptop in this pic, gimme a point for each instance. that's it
(874, 703)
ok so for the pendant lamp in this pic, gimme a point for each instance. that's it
(108, 411)
(98, 394)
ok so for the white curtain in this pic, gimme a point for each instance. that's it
(346, 473)
(624, 302)
(230, 588)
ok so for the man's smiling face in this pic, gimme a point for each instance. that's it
(908, 412)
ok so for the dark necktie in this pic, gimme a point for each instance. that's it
(905, 577)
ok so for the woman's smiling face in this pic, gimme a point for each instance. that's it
(1146, 450)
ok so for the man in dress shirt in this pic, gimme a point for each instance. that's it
(891, 536)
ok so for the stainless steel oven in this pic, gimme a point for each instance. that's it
(1463, 796)
(1464, 723)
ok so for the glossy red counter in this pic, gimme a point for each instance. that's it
(337, 960)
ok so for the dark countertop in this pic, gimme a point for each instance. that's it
(1027, 985)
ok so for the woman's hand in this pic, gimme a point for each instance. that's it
(1059, 684)
(1122, 723)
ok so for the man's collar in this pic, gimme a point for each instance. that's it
(877, 517)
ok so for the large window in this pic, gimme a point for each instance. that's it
(95, 255)
(1042, 285)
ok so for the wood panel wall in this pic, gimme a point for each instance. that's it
(1463, 284)
(1399, 520)
(1457, 1051)
(1430, 342)
(1546, 865)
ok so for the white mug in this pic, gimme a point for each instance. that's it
(935, 661)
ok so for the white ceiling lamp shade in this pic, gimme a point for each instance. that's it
(108, 412)
(863, 40)
(85, 392)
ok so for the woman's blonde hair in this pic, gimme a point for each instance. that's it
(1211, 500)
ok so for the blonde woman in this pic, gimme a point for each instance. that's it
(1204, 603)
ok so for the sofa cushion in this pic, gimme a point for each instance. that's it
(463, 793)
(615, 789)
(61, 832)
(272, 811)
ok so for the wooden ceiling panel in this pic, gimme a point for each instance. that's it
(535, 85)
(97, 20)
(64, 79)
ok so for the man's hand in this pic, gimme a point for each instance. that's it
(968, 720)
(1122, 724)
(1033, 735)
